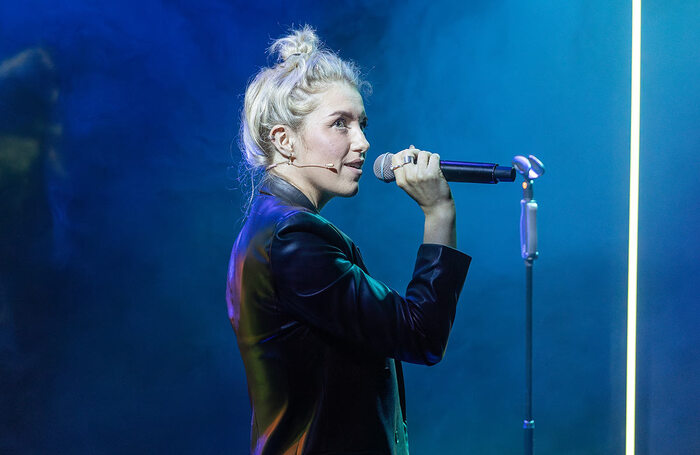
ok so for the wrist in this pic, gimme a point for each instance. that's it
(443, 210)
(441, 227)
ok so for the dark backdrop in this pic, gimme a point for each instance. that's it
(119, 206)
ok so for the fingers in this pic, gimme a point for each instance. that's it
(401, 156)
(421, 160)
(419, 170)
(397, 162)
(421, 179)
(434, 164)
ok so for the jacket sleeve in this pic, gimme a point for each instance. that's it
(318, 284)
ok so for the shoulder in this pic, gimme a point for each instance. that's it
(268, 214)
(274, 225)
(310, 227)
(303, 220)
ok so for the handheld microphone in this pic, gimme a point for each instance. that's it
(454, 171)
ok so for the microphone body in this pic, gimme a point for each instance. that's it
(462, 171)
(454, 171)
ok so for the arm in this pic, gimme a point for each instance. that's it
(424, 182)
(440, 225)
(319, 285)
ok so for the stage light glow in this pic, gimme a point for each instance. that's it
(633, 230)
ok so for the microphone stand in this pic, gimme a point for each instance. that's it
(530, 168)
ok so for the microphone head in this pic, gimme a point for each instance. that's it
(382, 168)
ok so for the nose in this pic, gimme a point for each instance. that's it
(361, 144)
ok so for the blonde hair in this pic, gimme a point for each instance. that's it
(283, 94)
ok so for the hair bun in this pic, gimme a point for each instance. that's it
(301, 42)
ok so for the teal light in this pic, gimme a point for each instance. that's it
(633, 229)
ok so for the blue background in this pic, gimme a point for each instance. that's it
(120, 205)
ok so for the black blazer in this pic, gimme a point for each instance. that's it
(321, 340)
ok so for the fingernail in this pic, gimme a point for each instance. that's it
(411, 146)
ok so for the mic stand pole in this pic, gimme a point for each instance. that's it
(528, 233)
(531, 168)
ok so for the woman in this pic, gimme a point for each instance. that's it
(322, 341)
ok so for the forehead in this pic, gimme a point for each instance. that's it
(340, 97)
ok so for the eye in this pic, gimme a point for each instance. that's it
(340, 123)
(363, 124)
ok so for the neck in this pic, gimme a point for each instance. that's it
(317, 198)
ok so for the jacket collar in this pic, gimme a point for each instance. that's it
(277, 186)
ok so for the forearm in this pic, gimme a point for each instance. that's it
(441, 225)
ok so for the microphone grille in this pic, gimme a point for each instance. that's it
(382, 168)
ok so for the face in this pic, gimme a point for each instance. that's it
(333, 133)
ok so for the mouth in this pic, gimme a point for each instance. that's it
(357, 164)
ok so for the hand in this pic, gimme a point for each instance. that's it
(423, 181)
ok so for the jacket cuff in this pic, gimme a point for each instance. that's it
(453, 262)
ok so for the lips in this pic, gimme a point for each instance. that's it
(356, 164)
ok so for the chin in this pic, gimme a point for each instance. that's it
(350, 191)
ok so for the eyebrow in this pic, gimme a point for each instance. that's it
(363, 116)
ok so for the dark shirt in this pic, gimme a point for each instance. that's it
(321, 340)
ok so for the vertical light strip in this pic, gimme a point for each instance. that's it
(633, 229)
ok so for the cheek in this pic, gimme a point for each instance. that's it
(330, 148)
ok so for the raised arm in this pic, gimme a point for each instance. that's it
(319, 284)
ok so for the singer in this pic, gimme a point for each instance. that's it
(322, 341)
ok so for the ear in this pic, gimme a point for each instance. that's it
(282, 137)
